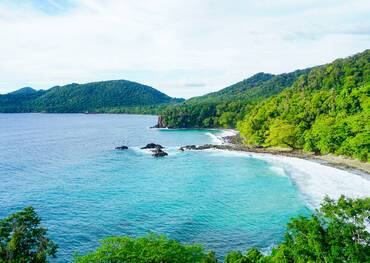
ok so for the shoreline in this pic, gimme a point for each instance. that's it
(313, 179)
(231, 141)
(234, 143)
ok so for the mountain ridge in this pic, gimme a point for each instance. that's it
(24, 90)
(100, 96)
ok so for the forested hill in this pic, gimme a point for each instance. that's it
(104, 96)
(229, 105)
(325, 109)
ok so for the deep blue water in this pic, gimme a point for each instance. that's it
(66, 167)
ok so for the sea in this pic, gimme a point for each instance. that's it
(67, 168)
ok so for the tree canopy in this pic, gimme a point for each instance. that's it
(22, 239)
(151, 248)
(229, 105)
(325, 111)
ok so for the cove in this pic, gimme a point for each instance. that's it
(66, 167)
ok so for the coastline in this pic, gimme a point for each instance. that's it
(314, 180)
(234, 143)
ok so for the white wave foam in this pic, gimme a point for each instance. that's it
(225, 133)
(214, 138)
(316, 181)
(172, 151)
(313, 179)
(217, 137)
(141, 151)
(157, 129)
(278, 170)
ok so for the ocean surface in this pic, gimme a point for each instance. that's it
(65, 166)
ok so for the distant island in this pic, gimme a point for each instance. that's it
(114, 96)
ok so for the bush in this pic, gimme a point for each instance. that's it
(151, 248)
(335, 233)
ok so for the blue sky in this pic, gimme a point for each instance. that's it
(182, 47)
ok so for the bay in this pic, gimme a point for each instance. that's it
(65, 166)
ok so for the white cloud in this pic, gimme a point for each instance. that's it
(169, 44)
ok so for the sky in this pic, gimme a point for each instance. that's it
(184, 48)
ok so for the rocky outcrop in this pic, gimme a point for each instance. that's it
(160, 123)
(123, 147)
(215, 146)
(156, 149)
(158, 152)
(152, 146)
(233, 139)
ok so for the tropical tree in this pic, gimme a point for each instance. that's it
(22, 239)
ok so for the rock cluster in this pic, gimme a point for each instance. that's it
(209, 146)
(158, 152)
(156, 149)
(233, 139)
(152, 146)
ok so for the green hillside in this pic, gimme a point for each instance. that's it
(229, 105)
(19, 101)
(325, 109)
(104, 96)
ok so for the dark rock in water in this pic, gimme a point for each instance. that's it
(188, 147)
(160, 123)
(208, 146)
(121, 147)
(158, 152)
(204, 147)
(152, 146)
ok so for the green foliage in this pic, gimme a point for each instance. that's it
(281, 133)
(252, 255)
(118, 96)
(151, 248)
(18, 101)
(23, 240)
(335, 233)
(325, 111)
(227, 106)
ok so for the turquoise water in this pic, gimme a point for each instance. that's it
(66, 167)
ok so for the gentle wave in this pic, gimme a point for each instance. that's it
(314, 180)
